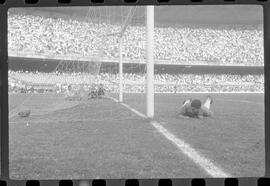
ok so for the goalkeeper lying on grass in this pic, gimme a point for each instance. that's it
(195, 109)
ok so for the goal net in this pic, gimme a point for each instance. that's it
(95, 48)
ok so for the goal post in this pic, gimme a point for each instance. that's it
(150, 61)
(121, 33)
(149, 58)
(120, 69)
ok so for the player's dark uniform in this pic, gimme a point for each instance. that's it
(97, 93)
(196, 111)
(93, 94)
(101, 92)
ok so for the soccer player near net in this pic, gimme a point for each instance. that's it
(93, 93)
(72, 95)
(97, 93)
(101, 91)
(69, 93)
(195, 109)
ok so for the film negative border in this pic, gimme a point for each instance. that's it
(33, 3)
(142, 182)
(5, 4)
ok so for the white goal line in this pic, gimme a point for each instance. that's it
(206, 164)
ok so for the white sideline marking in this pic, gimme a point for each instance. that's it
(195, 156)
(206, 164)
(135, 111)
(112, 98)
(129, 107)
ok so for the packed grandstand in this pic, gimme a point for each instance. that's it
(225, 44)
(219, 45)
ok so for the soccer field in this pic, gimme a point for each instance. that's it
(103, 139)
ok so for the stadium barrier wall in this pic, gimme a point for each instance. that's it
(116, 60)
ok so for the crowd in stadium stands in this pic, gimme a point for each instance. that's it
(239, 45)
(134, 83)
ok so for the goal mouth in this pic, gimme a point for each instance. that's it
(79, 77)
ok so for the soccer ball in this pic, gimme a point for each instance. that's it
(24, 113)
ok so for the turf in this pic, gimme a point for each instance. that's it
(102, 139)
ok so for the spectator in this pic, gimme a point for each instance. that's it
(227, 45)
(170, 83)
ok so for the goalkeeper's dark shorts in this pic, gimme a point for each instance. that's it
(93, 94)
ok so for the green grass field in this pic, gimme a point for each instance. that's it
(103, 139)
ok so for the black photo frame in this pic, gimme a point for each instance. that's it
(4, 139)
